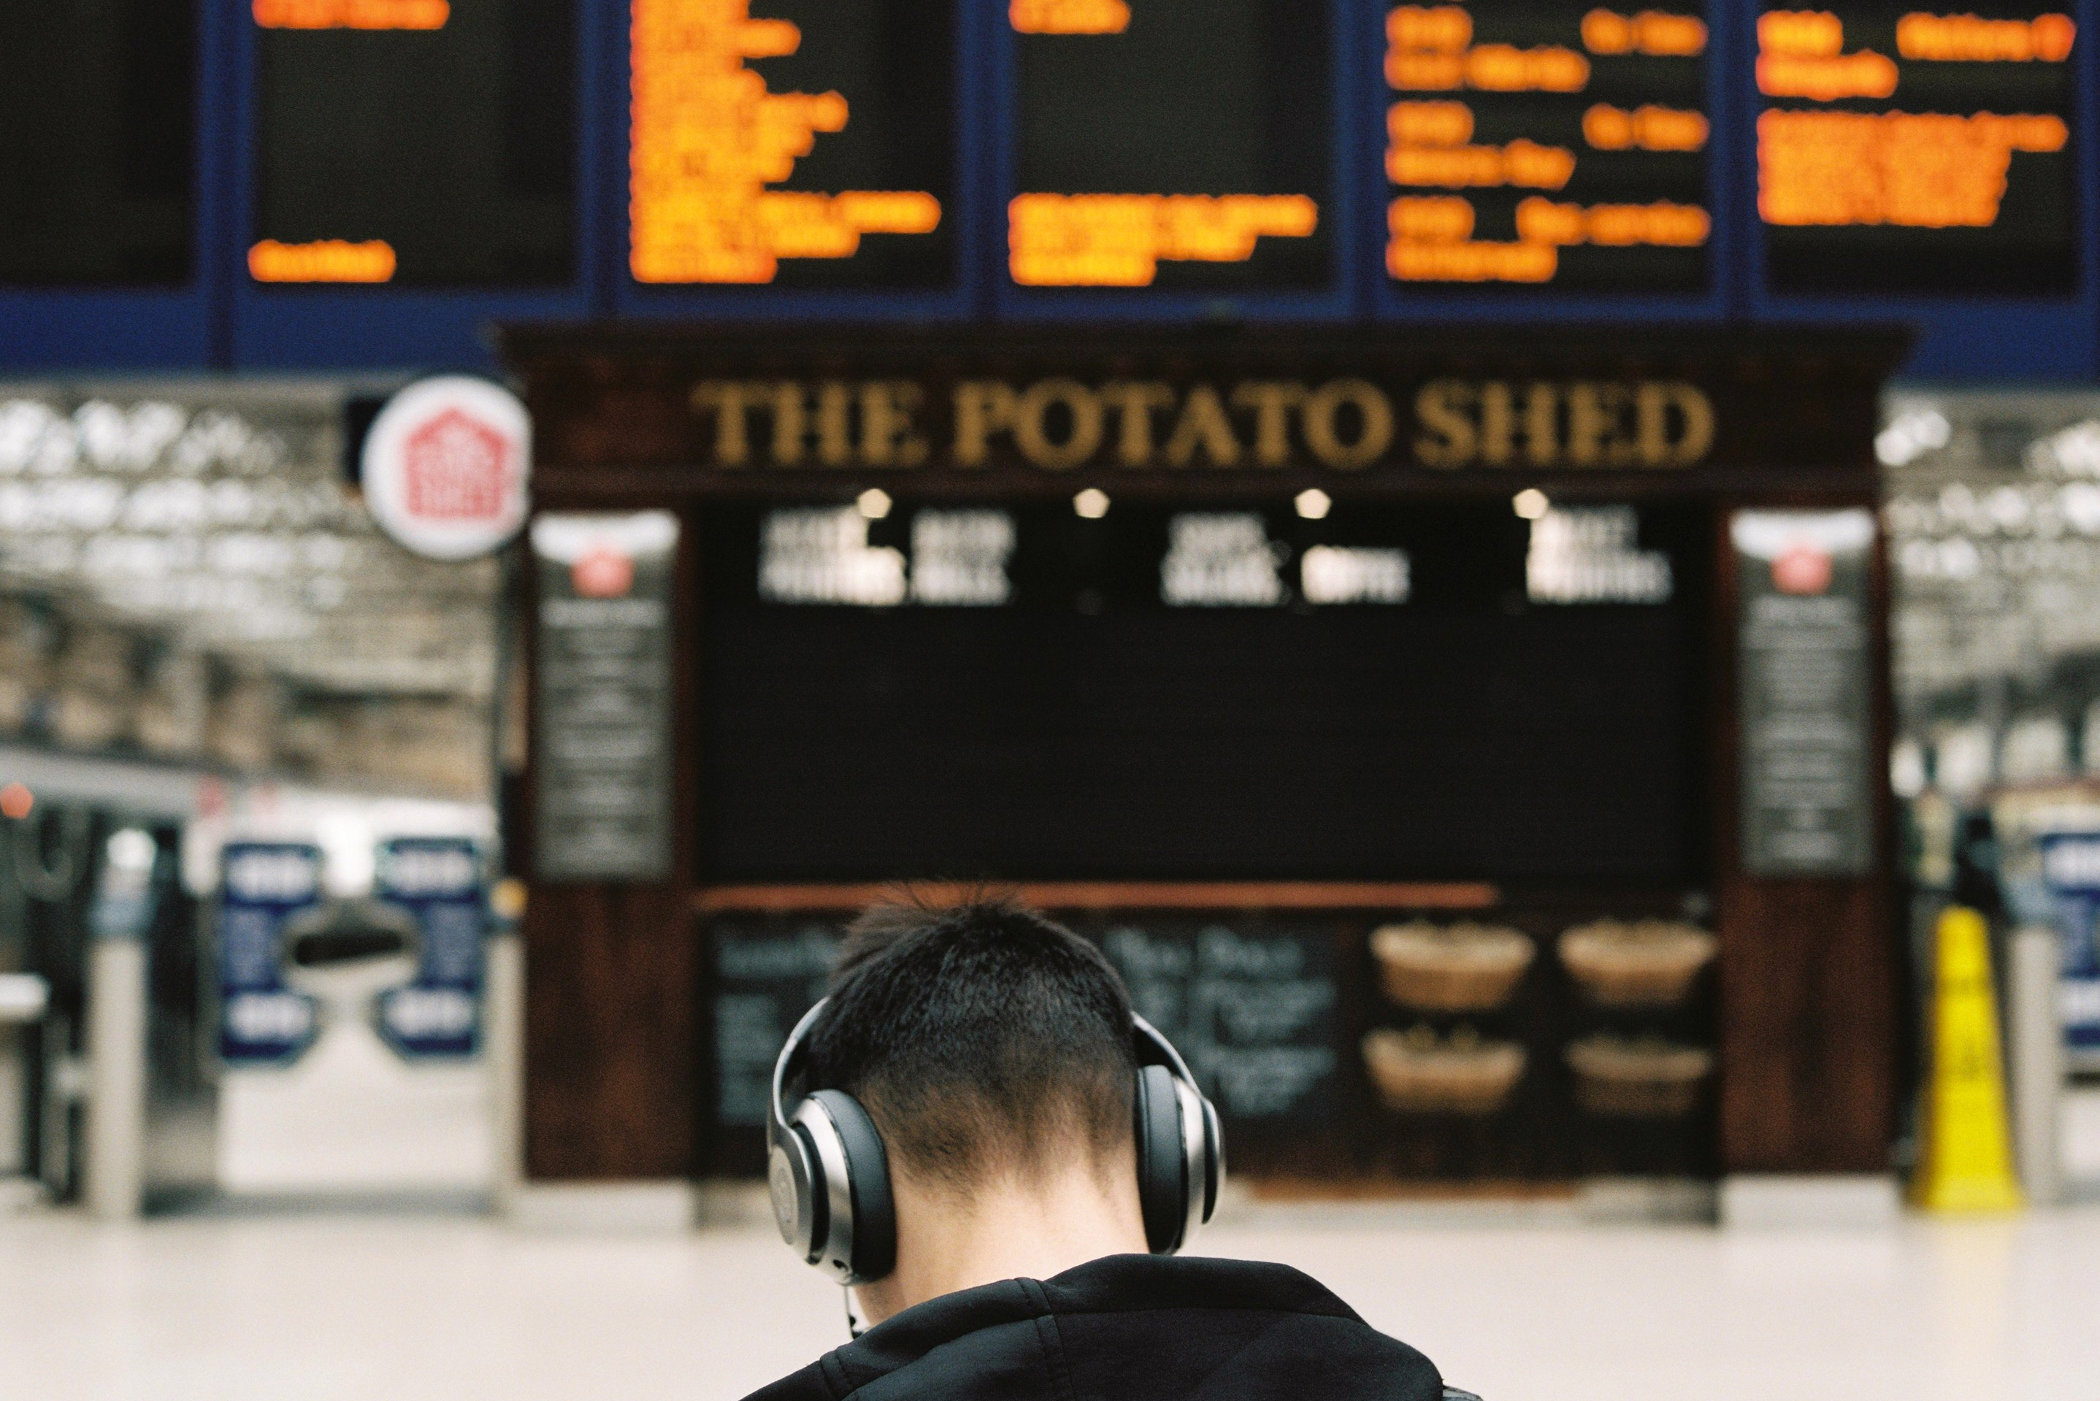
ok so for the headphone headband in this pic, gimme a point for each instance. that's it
(828, 1171)
(794, 1052)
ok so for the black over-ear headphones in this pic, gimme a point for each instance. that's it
(830, 1176)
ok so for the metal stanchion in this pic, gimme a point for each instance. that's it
(116, 1098)
(2037, 1055)
(504, 1044)
(117, 1007)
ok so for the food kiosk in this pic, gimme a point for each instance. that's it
(1468, 743)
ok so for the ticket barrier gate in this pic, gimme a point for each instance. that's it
(105, 1068)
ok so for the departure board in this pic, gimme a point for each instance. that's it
(1171, 143)
(797, 144)
(1906, 150)
(1548, 144)
(96, 141)
(418, 142)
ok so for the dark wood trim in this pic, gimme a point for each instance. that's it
(1113, 895)
(1808, 987)
(612, 989)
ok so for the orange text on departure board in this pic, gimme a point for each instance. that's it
(708, 138)
(1432, 236)
(1800, 53)
(1969, 39)
(1645, 128)
(1650, 32)
(329, 260)
(1921, 170)
(1120, 240)
(1069, 16)
(1430, 144)
(352, 14)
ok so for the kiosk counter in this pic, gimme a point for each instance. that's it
(1468, 744)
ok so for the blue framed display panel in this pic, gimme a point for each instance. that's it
(1726, 150)
(145, 328)
(968, 297)
(1341, 300)
(333, 327)
(223, 320)
(1968, 338)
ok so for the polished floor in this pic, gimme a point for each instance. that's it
(436, 1307)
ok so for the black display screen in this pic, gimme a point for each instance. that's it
(1172, 143)
(794, 144)
(1434, 691)
(1906, 151)
(1548, 145)
(97, 142)
(415, 142)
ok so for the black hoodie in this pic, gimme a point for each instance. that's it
(1125, 1328)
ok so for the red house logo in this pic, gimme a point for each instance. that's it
(456, 468)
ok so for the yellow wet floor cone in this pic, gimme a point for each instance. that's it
(1967, 1163)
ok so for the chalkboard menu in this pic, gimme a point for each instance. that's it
(1250, 1003)
(1804, 692)
(602, 709)
(768, 972)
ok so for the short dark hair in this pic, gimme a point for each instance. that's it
(982, 1038)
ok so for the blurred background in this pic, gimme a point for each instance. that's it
(1510, 563)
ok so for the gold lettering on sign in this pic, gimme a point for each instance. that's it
(1499, 424)
(1321, 423)
(1272, 402)
(1443, 409)
(798, 413)
(729, 400)
(982, 407)
(1059, 423)
(1133, 402)
(887, 437)
(1032, 423)
(1655, 402)
(1203, 425)
(1572, 423)
(1595, 413)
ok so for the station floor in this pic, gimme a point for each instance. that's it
(348, 1306)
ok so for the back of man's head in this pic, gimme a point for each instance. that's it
(984, 1040)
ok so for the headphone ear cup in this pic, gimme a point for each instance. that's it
(798, 1197)
(1213, 1159)
(868, 1250)
(1161, 1164)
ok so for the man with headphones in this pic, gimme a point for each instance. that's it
(977, 1137)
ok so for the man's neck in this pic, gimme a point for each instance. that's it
(1005, 1229)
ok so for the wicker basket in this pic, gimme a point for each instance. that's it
(1418, 1073)
(1644, 963)
(1638, 1079)
(1455, 968)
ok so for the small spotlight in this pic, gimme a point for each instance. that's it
(1531, 503)
(1092, 504)
(16, 801)
(1314, 504)
(874, 503)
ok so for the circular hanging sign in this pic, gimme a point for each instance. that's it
(445, 467)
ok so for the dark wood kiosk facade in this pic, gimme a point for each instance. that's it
(1467, 744)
